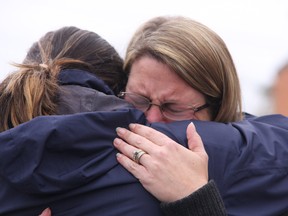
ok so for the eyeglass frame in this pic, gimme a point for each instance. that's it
(162, 106)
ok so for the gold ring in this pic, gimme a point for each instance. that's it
(137, 155)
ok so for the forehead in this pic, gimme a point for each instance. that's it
(158, 82)
(148, 71)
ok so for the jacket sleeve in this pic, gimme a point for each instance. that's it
(257, 174)
(206, 201)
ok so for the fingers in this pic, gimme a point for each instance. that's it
(129, 150)
(137, 141)
(135, 169)
(194, 140)
(150, 134)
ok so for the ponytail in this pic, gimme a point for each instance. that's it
(29, 92)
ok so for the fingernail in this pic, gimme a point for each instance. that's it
(117, 141)
(118, 155)
(47, 212)
(132, 126)
(120, 130)
(193, 125)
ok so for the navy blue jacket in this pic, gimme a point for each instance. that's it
(68, 163)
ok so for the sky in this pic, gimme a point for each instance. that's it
(255, 31)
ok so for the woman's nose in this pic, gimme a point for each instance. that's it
(154, 114)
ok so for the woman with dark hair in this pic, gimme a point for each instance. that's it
(54, 77)
(67, 71)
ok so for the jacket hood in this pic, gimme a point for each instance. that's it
(84, 79)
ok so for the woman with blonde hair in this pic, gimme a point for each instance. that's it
(179, 50)
(195, 54)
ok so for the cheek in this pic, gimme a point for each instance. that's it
(127, 99)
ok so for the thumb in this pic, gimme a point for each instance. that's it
(46, 212)
(194, 140)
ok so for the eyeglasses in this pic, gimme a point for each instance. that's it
(170, 111)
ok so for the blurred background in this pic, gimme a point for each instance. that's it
(256, 33)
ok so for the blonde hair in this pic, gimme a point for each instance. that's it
(33, 89)
(198, 55)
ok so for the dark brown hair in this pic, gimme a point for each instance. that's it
(32, 89)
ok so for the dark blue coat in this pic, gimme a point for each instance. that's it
(68, 163)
